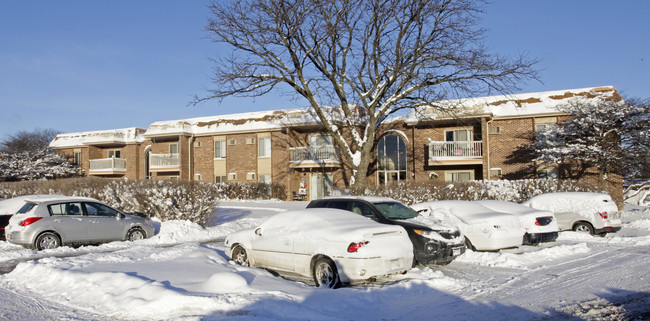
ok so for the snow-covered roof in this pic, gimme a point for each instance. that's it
(242, 122)
(513, 105)
(101, 137)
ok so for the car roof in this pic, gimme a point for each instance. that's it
(37, 199)
(370, 199)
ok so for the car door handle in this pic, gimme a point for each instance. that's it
(58, 220)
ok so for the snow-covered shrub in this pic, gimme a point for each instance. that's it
(166, 200)
(507, 190)
(43, 164)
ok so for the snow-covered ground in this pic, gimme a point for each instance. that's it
(183, 273)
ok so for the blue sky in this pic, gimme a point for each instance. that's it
(86, 65)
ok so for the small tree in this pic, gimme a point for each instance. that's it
(26, 141)
(603, 134)
(26, 156)
(369, 59)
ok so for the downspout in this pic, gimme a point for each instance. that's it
(189, 156)
(487, 150)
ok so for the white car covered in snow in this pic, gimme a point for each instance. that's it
(329, 246)
(592, 213)
(484, 229)
(540, 226)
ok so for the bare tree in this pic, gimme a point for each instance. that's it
(28, 141)
(366, 59)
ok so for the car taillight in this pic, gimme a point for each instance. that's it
(29, 220)
(497, 226)
(603, 215)
(353, 247)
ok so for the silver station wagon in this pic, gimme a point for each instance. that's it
(48, 222)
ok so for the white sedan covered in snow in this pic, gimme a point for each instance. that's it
(593, 213)
(329, 246)
(484, 229)
(540, 226)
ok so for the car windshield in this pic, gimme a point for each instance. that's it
(396, 210)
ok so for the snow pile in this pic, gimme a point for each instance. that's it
(526, 260)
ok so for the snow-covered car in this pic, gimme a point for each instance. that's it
(327, 246)
(540, 226)
(433, 241)
(49, 221)
(484, 229)
(593, 213)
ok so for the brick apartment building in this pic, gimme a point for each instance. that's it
(479, 138)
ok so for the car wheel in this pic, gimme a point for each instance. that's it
(47, 240)
(135, 234)
(326, 274)
(583, 227)
(469, 245)
(239, 255)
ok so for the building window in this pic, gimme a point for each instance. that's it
(264, 147)
(496, 173)
(320, 140)
(458, 135)
(232, 176)
(547, 173)
(250, 140)
(175, 179)
(391, 158)
(220, 179)
(173, 148)
(77, 159)
(197, 177)
(265, 178)
(114, 153)
(459, 176)
(220, 149)
(232, 141)
(250, 176)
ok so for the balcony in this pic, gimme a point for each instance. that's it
(455, 153)
(314, 156)
(107, 166)
(164, 162)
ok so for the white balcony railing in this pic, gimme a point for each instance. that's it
(161, 162)
(455, 150)
(107, 166)
(314, 154)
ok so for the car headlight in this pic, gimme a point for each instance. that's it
(427, 234)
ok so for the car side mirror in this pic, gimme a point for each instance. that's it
(119, 216)
(258, 231)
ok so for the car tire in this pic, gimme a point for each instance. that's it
(325, 274)
(583, 227)
(239, 255)
(469, 245)
(47, 240)
(135, 234)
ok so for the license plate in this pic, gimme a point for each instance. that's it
(456, 252)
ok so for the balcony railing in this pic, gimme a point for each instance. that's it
(107, 166)
(164, 162)
(315, 155)
(455, 150)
